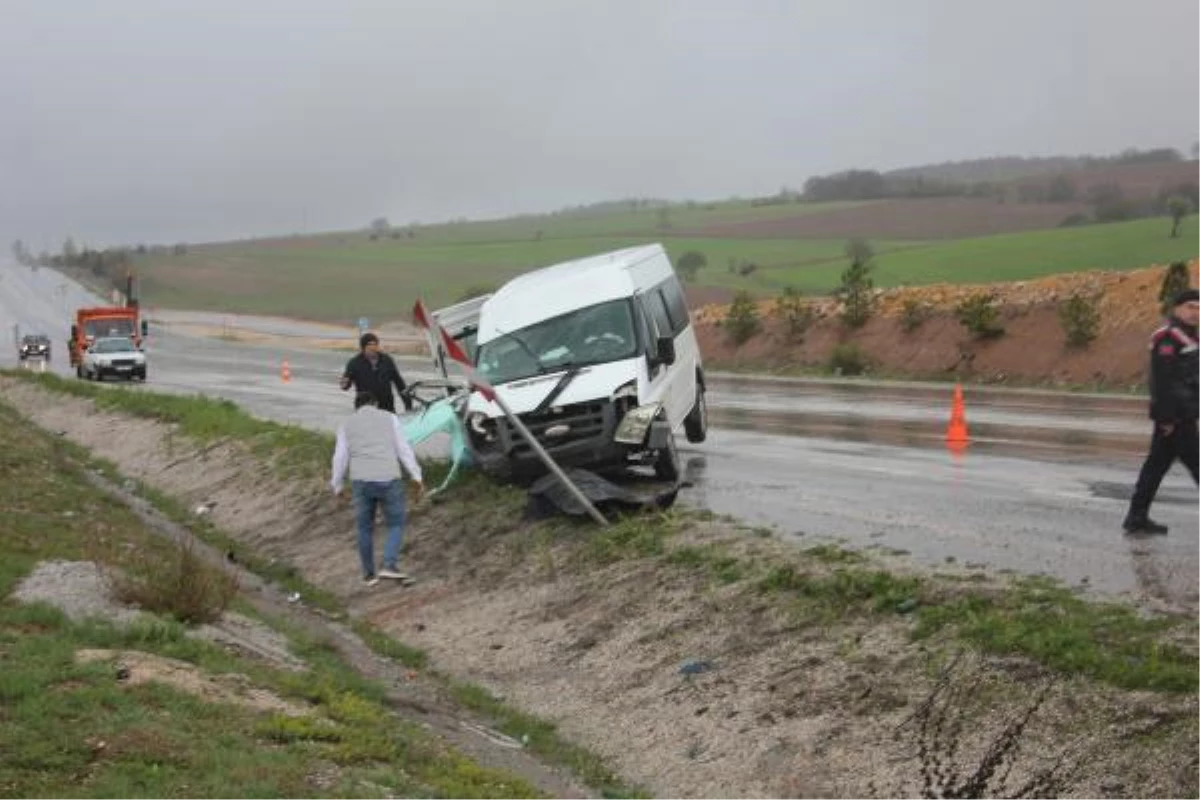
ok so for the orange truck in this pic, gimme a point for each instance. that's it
(105, 322)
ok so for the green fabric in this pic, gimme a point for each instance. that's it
(440, 417)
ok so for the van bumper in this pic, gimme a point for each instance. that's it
(579, 436)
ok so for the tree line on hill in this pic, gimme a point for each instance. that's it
(1108, 200)
(108, 268)
(961, 179)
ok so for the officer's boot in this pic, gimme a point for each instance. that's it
(1141, 523)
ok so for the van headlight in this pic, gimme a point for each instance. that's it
(481, 426)
(624, 399)
(636, 423)
(626, 390)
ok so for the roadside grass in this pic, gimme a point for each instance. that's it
(1035, 618)
(1044, 621)
(482, 493)
(390, 647)
(293, 451)
(1041, 621)
(76, 729)
(183, 585)
(540, 737)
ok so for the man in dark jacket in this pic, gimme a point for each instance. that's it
(374, 371)
(1174, 362)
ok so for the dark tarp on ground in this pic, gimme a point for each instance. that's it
(548, 496)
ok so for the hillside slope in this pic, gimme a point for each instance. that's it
(1033, 348)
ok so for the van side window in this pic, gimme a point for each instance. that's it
(658, 313)
(676, 304)
(645, 326)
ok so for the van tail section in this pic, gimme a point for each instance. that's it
(460, 322)
(448, 346)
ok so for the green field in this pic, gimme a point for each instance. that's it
(623, 222)
(381, 279)
(339, 277)
(1021, 256)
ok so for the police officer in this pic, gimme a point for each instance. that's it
(375, 372)
(1174, 362)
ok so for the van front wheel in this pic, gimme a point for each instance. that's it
(666, 466)
(695, 424)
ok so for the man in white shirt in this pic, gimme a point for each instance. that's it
(372, 445)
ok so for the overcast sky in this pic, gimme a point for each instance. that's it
(162, 121)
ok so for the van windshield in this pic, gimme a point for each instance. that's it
(593, 335)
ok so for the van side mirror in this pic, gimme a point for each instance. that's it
(665, 350)
(145, 328)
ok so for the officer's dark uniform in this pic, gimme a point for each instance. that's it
(1174, 400)
(377, 377)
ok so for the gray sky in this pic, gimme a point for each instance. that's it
(164, 120)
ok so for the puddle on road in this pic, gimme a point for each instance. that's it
(997, 398)
(1007, 440)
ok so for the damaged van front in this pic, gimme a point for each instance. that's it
(598, 359)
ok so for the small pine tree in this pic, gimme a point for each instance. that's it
(1174, 282)
(796, 314)
(689, 264)
(856, 286)
(913, 315)
(978, 315)
(1080, 318)
(742, 322)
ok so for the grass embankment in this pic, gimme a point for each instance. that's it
(1034, 618)
(73, 728)
(298, 453)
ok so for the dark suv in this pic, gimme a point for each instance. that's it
(35, 346)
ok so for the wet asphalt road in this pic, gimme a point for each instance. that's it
(1041, 490)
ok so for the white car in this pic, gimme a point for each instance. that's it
(116, 356)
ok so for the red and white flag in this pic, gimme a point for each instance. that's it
(453, 349)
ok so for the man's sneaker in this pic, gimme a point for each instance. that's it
(371, 580)
(1143, 525)
(394, 574)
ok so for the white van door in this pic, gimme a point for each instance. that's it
(687, 349)
(673, 384)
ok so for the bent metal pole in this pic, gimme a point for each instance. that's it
(550, 463)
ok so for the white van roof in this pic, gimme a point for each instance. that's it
(548, 292)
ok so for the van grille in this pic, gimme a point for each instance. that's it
(583, 421)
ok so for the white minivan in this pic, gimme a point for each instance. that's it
(598, 357)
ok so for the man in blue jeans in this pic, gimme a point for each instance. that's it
(371, 444)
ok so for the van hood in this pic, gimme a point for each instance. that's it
(593, 382)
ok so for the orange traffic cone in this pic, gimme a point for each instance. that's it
(956, 432)
(285, 371)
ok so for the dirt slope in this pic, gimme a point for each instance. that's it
(1033, 349)
(781, 706)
